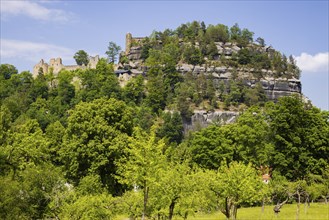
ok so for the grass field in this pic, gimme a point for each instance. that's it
(317, 211)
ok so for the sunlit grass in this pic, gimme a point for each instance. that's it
(317, 211)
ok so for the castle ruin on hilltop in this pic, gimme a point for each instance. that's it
(56, 65)
(130, 41)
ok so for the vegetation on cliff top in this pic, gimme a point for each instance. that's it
(196, 44)
(212, 46)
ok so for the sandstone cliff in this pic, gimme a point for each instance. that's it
(274, 86)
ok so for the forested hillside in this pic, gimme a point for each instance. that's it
(220, 67)
(77, 145)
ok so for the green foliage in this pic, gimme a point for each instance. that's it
(93, 136)
(81, 58)
(131, 204)
(100, 206)
(54, 134)
(211, 50)
(7, 70)
(39, 88)
(28, 195)
(175, 190)
(189, 31)
(5, 123)
(134, 91)
(156, 97)
(25, 145)
(292, 67)
(261, 41)
(238, 184)
(250, 138)
(77, 146)
(235, 32)
(192, 55)
(172, 128)
(144, 118)
(143, 164)
(184, 93)
(237, 92)
(65, 90)
(244, 56)
(40, 111)
(218, 33)
(209, 147)
(146, 46)
(255, 96)
(90, 185)
(99, 82)
(300, 138)
(112, 51)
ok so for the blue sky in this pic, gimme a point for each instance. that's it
(31, 30)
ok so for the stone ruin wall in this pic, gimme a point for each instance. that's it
(57, 65)
(131, 41)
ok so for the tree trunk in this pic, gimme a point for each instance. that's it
(185, 215)
(233, 211)
(298, 205)
(307, 200)
(227, 209)
(277, 208)
(171, 209)
(145, 192)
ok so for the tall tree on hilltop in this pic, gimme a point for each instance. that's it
(112, 51)
(81, 58)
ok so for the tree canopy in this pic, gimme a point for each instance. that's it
(81, 58)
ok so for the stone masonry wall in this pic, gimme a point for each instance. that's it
(57, 66)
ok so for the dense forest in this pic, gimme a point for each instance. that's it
(76, 145)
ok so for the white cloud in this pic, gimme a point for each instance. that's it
(313, 63)
(30, 51)
(34, 10)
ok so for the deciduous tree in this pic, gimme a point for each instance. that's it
(81, 58)
(112, 51)
(142, 167)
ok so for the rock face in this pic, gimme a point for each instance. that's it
(274, 87)
(201, 119)
(134, 53)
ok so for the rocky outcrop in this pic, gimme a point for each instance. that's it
(274, 87)
(201, 119)
(134, 53)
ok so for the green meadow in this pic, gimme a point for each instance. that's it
(316, 211)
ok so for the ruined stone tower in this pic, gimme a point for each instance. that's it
(56, 66)
(128, 42)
